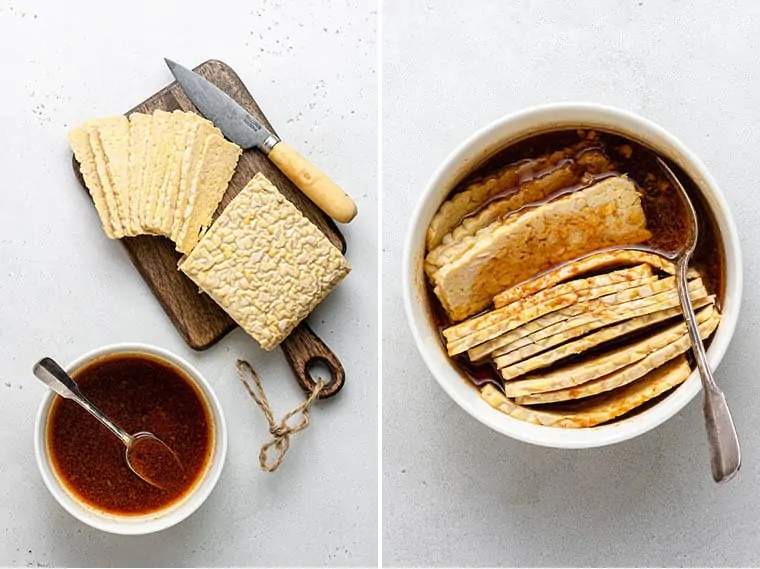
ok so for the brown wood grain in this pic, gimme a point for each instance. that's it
(195, 315)
(303, 348)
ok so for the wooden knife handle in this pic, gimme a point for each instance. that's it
(320, 189)
(302, 349)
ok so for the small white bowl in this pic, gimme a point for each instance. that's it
(155, 521)
(473, 152)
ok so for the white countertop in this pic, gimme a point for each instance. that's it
(65, 288)
(456, 493)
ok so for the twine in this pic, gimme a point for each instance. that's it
(280, 430)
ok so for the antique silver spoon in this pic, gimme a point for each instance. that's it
(147, 456)
(725, 454)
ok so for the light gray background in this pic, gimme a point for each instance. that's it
(65, 288)
(456, 493)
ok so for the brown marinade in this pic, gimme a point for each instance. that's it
(663, 211)
(140, 394)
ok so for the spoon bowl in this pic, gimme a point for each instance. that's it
(154, 461)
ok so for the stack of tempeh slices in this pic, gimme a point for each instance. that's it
(159, 174)
(604, 333)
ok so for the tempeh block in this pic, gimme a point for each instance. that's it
(264, 263)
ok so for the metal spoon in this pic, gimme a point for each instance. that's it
(725, 454)
(138, 445)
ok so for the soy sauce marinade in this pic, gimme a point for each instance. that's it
(139, 393)
(666, 219)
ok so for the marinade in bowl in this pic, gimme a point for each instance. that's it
(602, 337)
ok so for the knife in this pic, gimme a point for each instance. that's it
(240, 127)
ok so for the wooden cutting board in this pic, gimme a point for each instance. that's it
(196, 316)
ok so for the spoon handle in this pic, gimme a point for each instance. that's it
(56, 378)
(725, 453)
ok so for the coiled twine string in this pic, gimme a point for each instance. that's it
(280, 430)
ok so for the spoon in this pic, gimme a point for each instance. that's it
(725, 454)
(147, 456)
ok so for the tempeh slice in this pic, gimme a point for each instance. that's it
(80, 144)
(603, 364)
(476, 323)
(628, 303)
(187, 162)
(184, 129)
(447, 254)
(113, 133)
(511, 319)
(573, 269)
(479, 192)
(599, 409)
(192, 163)
(530, 191)
(625, 375)
(215, 170)
(104, 176)
(515, 364)
(518, 203)
(161, 137)
(606, 214)
(568, 304)
(489, 339)
(139, 138)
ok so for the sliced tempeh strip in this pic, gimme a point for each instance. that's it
(606, 214)
(139, 137)
(628, 303)
(518, 203)
(568, 301)
(207, 189)
(593, 262)
(625, 375)
(580, 325)
(114, 138)
(584, 323)
(184, 131)
(491, 338)
(80, 144)
(602, 365)
(583, 205)
(514, 364)
(101, 166)
(162, 133)
(532, 190)
(188, 163)
(477, 323)
(191, 166)
(599, 409)
(629, 308)
(479, 192)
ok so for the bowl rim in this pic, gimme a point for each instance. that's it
(154, 521)
(468, 155)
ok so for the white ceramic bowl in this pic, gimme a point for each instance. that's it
(156, 521)
(461, 162)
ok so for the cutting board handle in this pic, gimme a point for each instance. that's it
(303, 348)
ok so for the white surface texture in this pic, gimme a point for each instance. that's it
(65, 288)
(458, 494)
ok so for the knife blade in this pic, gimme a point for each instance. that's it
(243, 129)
